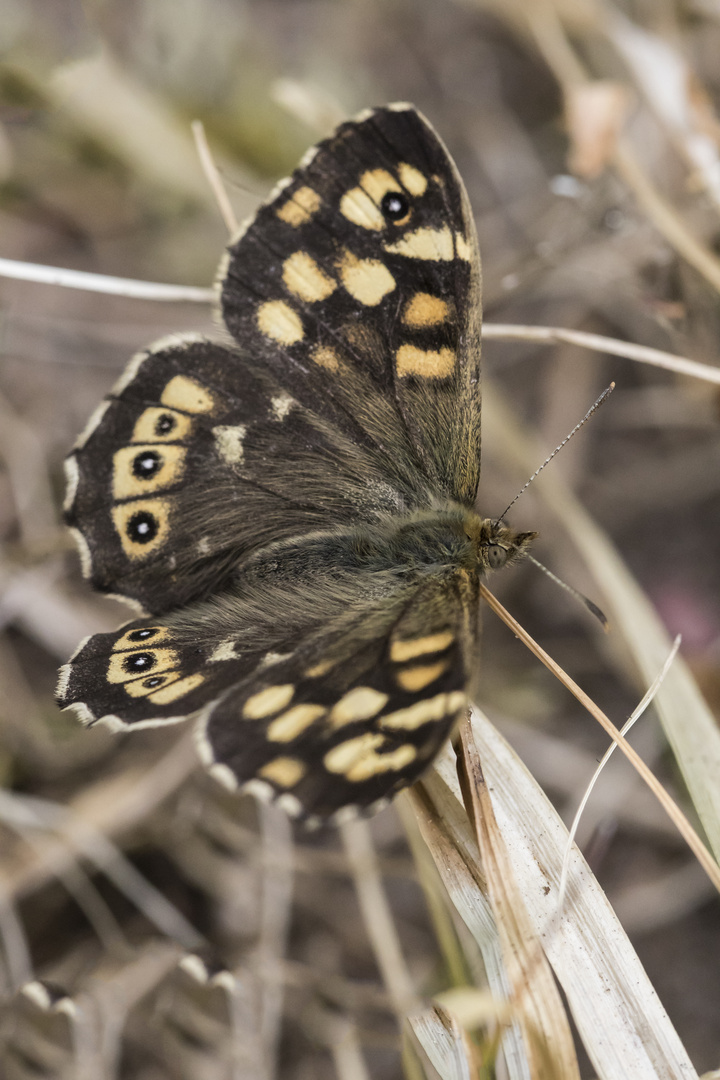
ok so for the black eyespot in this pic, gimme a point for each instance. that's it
(157, 680)
(143, 634)
(142, 527)
(497, 556)
(138, 662)
(146, 464)
(394, 205)
(165, 423)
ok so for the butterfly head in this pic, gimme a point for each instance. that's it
(497, 544)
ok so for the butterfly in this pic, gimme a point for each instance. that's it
(291, 508)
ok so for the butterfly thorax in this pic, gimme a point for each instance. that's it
(399, 545)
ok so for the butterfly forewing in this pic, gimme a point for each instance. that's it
(359, 286)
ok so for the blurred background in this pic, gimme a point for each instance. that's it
(589, 141)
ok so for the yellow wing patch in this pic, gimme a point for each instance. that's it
(305, 279)
(417, 678)
(358, 759)
(278, 321)
(424, 363)
(143, 526)
(300, 207)
(139, 470)
(434, 245)
(424, 309)
(367, 280)
(294, 722)
(410, 649)
(267, 702)
(161, 425)
(361, 703)
(283, 771)
(186, 394)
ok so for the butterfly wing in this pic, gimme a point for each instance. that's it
(329, 689)
(196, 460)
(355, 713)
(358, 285)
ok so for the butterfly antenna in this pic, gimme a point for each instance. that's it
(603, 397)
(592, 607)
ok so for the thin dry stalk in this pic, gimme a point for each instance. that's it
(673, 811)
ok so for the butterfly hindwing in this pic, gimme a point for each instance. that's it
(355, 712)
(358, 285)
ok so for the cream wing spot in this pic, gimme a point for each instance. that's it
(424, 363)
(367, 280)
(267, 702)
(294, 722)
(284, 771)
(424, 309)
(139, 470)
(423, 712)
(224, 651)
(361, 703)
(462, 248)
(156, 425)
(145, 687)
(143, 526)
(304, 278)
(140, 663)
(187, 395)
(372, 764)
(325, 357)
(167, 694)
(342, 757)
(412, 179)
(358, 759)
(278, 321)
(142, 636)
(281, 405)
(357, 206)
(411, 648)
(432, 245)
(417, 678)
(229, 442)
(302, 205)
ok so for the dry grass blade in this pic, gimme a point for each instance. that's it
(533, 995)
(377, 916)
(444, 1042)
(446, 831)
(621, 1022)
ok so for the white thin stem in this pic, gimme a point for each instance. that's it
(213, 178)
(636, 714)
(552, 335)
(104, 283)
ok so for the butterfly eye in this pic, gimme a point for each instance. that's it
(394, 205)
(497, 556)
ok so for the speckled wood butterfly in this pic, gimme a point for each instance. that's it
(294, 507)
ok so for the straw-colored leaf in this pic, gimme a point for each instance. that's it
(623, 1026)
(688, 723)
